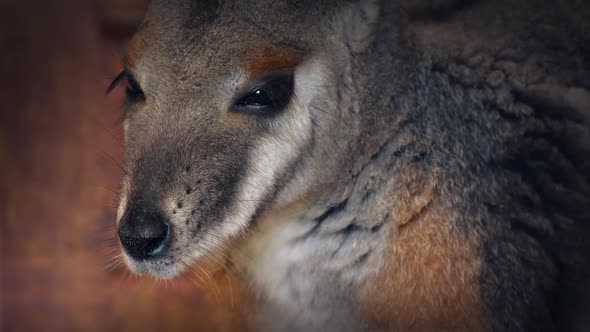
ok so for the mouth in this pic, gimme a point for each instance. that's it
(160, 268)
(173, 265)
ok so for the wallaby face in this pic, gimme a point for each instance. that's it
(385, 165)
(227, 119)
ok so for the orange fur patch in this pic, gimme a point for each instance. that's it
(430, 278)
(272, 59)
(135, 49)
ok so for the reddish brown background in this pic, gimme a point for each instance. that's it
(59, 154)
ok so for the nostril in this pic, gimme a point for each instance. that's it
(144, 235)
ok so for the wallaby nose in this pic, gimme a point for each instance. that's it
(144, 234)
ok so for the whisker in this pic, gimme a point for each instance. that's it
(110, 189)
(213, 282)
(112, 135)
(113, 160)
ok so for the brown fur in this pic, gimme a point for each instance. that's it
(135, 49)
(272, 59)
(431, 279)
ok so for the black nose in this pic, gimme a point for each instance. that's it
(144, 234)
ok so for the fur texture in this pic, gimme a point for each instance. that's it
(431, 171)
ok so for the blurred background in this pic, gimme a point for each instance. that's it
(60, 155)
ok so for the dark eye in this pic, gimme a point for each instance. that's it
(133, 91)
(271, 94)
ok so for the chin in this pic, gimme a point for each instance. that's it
(163, 268)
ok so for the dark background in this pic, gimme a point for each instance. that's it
(60, 150)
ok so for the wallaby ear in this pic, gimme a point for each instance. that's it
(357, 22)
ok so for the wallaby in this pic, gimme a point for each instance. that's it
(390, 165)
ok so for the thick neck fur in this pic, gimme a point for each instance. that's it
(441, 122)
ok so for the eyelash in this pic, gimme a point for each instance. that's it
(133, 91)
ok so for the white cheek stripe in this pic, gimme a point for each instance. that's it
(267, 162)
(275, 152)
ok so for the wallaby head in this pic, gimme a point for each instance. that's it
(234, 109)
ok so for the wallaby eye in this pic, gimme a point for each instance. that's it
(133, 91)
(270, 94)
